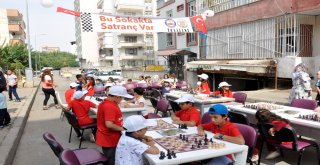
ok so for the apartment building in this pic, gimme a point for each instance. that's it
(254, 44)
(177, 48)
(87, 49)
(12, 27)
(127, 50)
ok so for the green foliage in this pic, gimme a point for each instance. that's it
(14, 56)
(57, 60)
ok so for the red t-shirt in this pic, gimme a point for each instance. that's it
(90, 91)
(191, 114)
(228, 129)
(69, 95)
(205, 87)
(108, 111)
(81, 109)
(224, 94)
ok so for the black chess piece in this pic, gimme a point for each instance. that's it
(180, 136)
(211, 140)
(192, 147)
(162, 155)
(173, 154)
(206, 142)
(183, 137)
(187, 140)
(195, 140)
(198, 145)
(169, 155)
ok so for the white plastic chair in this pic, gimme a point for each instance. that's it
(63, 105)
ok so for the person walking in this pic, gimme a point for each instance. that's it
(47, 88)
(12, 83)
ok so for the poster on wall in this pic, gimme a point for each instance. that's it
(91, 22)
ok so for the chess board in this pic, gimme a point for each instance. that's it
(263, 105)
(174, 143)
(161, 124)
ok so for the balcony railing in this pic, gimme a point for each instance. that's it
(127, 5)
(223, 5)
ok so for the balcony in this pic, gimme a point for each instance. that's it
(16, 41)
(223, 5)
(148, 7)
(14, 13)
(132, 57)
(127, 5)
(106, 58)
(132, 44)
(16, 28)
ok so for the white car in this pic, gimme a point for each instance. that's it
(104, 76)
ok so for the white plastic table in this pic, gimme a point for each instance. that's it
(239, 151)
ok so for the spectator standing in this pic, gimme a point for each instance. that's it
(110, 121)
(12, 84)
(47, 88)
(4, 115)
(3, 81)
(301, 88)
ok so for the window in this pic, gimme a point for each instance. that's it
(169, 39)
(129, 13)
(131, 51)
(191, 37)
(131, 63)
(235, 45)
(110, 53)
(149, 38)
(192, 8)
(148, 13)
(169, 13)
(131, 39)
(287, 40)
(180, 8)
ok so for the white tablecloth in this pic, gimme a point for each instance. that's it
(239, 151)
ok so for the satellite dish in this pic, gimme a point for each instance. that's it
(47, 3)
(209, 13)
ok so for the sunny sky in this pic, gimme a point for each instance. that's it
(58, 28)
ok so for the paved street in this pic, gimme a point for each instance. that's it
(34, 150)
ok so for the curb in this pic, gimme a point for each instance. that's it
(12, 140)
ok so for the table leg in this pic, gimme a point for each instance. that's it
(241, 157)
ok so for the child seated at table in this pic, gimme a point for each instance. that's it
(224, 90)
(68, 95)
(188, 114)
(138, 102)
(266, 116)
(81, 107)
(133, 143)
(223, 130)
(98, 83)
(166, 87)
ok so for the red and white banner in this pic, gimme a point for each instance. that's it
(199, 23)
(67, 11)
(102, 23)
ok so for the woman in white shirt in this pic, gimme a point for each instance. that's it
(12, 83)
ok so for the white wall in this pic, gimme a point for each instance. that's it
(4, 28)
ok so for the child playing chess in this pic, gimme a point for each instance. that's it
(224, 90)
(133, 143)
(138, 101)
(222, 129)
(188, 114)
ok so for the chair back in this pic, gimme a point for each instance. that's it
(175, 106)
(154, 102)
(240, 97)
(156, 94)
(155, 85)
(72, 119)
(304, 103)
(142, 85)
(68, 157)
(53, 143)
(250, 137)
(206, 118)
(237, 117)
(129, 86)
(286, 134)
(163, 105)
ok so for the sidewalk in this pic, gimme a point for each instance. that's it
(10, 136)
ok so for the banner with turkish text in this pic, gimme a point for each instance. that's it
(91, 22)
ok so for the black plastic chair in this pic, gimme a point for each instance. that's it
(175, 106)
(73, 121)
(237, 117)
(286, 134)
(154, 103)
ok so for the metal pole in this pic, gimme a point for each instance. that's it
(35, 57)
(29, 73)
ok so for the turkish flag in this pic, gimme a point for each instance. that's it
(67, 11)
(199, 23)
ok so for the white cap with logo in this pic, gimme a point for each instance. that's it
(224, 84)
(119, 91)
(79, 94)
(203, 76)
(137, 122)
(185, 98)
(73, 85)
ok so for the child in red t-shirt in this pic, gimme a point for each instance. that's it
(188, 114)
(68, 95)
(266, 116)
(204, 86)
(224, 90)
(223, 130)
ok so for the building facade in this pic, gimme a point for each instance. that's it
(257, 43)
(177, 48)
(87, 49)
(12, 27)
(127, 50)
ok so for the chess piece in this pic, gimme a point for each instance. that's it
(169, 155)
(211, 140)
(205, 137)
(187, 139)
(173, 154)
(206, 142)
(183, 137)
(179, 126)
(199, 145)
(180, 136)
(195, 140)
(162, 155)
(192, 147)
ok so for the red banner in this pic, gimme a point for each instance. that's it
(67, 11)
(199, 23)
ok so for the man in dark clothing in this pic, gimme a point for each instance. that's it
(3, 81)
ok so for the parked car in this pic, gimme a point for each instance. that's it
(104, 76)
(90, 71)
(119, 72)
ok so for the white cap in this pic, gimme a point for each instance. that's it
(137, 122)
(185, 98)
(73, 85)
(224, 84)
(199, 83)
(79, 94)
(109, 85)
(203, 76)
(119, 91)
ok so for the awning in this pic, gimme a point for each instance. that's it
(250, 66)
(173, 52)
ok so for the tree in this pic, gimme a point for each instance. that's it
(14, 56)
